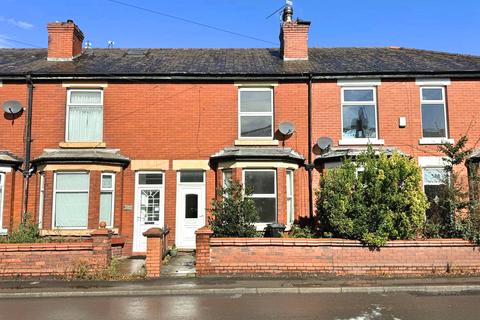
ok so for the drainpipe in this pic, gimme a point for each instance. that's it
(27, 172)
(310, 165)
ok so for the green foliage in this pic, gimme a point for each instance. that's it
(375, 199)
(298, 232)
(27, 232)
(234, 214)
(457, 214)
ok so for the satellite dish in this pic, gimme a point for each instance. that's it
(12, 106)
(324, 143)
(286, 128)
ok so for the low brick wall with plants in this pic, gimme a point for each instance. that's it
(243, 256)
(56, 259)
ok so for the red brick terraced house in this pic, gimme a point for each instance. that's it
(140, 138)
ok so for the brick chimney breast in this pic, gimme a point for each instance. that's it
(64, 41)
(293, 36)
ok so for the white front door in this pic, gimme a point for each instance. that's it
(190, 207)
(149, 206)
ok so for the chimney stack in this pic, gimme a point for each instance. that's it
(64, 41)
(293, 36)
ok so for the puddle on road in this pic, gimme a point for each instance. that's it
(375, 312)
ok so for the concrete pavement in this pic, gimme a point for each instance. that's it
(222, 286)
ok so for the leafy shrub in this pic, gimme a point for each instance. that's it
(375, 199)
(27, 232)
(301, 232)
(234, 214)
(457, 214)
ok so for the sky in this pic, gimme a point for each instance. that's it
(443, 25)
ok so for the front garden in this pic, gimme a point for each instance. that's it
(373, 199)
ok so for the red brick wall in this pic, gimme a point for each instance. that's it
(47, 259)
(342, 257)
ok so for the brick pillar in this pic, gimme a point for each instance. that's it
(203, 250)
(153, 263)
(102, 247)
(94, 200)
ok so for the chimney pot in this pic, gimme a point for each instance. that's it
(64, 41)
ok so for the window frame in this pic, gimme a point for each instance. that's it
(54, 199)
(67, 112)
(443, 101)
(2, 197)
(109, 190)
(179, 177)
(225, 178)
(41, 200)
(264, 195)
(290, 182)
(251, 114)
(374, 102)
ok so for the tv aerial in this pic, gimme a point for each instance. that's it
(324, 144)
(12, 107)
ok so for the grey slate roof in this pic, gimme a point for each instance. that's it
(257, 153)
(253, 62)
(339, 153)
(6, 157)
(81, 155)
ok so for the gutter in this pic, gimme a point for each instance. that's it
(244, 77)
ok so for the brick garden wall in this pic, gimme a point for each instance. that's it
(235, 256)
(54, 259)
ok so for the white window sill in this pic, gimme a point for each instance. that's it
(435, 141)
(360, 142)
(259, 142)
(3, 232)
(85, 144)
(71, 232)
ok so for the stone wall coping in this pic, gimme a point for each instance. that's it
(216, 242)
(10, 247)
(207, 230)
(102, 232)
(154, 233)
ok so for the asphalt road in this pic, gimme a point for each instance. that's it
(354, 306)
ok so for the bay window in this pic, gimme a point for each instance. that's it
(70, 200)
(255, 113)
(359, 113)
(434, 179)
(84, 115)
(289, 194)
(107, 198)
(263, 185)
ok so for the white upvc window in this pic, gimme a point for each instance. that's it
(2, 197)
(434, 179)
(84, 120)
(359, 115)
(107, 198)
(41, 200)
(255, 113)
(434, 114)
(227, 178)
(290, 198)
(263, 184)
(70, 200)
